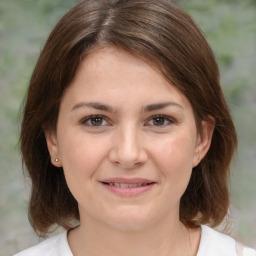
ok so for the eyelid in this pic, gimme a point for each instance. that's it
(87, 118)
(168, 118)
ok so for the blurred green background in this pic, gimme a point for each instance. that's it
(230, 27)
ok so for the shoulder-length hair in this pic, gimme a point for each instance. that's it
(167, 37)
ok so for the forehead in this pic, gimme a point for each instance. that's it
(109, 70)
(102, 60)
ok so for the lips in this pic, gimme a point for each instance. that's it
(125, 185)
(128, 187)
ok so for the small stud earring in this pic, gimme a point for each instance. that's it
(56, 160)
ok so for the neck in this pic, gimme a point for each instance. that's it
(162, 239)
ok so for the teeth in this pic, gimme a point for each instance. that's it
(125, 185)
(134, 185)
(122, 185)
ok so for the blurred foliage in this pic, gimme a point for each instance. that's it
(230, 28)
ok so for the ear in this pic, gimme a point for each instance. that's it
(51, 140)
(204, 140)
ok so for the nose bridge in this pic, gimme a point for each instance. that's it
(129, 143)
(128, 149)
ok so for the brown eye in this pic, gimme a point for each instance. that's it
(95, 121)
(159, 121)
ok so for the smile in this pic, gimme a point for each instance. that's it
(128, 187)
(125, 185)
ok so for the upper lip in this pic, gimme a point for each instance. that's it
(127, 180)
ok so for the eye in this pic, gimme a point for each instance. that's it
(95, 121)
(160, 121)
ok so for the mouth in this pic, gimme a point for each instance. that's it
(128, 187)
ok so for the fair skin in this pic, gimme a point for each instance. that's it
(127, 142)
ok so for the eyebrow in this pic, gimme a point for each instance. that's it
(107, 108)
(159, 106)
(94, 105)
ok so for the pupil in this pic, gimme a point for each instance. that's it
(158, 121)
(97, 121)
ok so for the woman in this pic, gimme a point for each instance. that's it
(126, 135)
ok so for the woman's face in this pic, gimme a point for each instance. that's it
(127, 141)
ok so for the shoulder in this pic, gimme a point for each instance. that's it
(215, 243)
(55, 246)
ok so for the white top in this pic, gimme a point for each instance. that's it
(212, 243)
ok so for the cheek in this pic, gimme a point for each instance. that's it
(81, 157)
(81, 154)
(174, 158)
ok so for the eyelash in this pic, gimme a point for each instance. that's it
(104, 119)
(90, 118)
(167, 119)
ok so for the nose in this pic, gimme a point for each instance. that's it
(127, 148)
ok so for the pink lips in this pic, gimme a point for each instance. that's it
(128, 187)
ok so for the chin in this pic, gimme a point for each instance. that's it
(130, 222)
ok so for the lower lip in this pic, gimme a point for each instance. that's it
(128, 192)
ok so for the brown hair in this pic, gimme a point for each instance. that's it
(156, 31)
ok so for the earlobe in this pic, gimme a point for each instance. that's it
(204, 140)
(53, 148)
